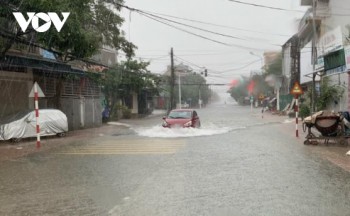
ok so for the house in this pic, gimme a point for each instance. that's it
(324, 34)
(68, 87)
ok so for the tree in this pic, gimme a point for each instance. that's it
(275, 67)
(191, 86)
(260, 87)
(90, 25)
(127, 77)
(329, 94)
(239, 91)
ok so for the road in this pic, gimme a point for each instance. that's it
(237, 164)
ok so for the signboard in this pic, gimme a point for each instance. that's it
(40, 92)
(320, 63)
(337, 70)
(296, 90)
(347, 57)
(331, 41)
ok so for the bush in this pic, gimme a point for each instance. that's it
(126, 112)
(304, 111)
(120, 111)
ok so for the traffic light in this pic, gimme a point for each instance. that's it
(205, 72)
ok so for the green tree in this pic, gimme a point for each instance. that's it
(91, 24)
(329, 94)
(276, 66)
(192, 86)
(239, 91)
(127, 77)
(260, 86)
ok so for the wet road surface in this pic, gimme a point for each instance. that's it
(241, 165)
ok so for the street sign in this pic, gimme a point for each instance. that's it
(40, 92)
(296, 90)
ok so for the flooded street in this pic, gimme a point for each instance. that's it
(236, 164)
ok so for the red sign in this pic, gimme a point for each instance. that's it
(250, 87)
(296, 90)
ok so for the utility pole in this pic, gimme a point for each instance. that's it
(180, 91)
(314, 55)
(199, 97)
(172, 80)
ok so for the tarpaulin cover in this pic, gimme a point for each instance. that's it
(51, 122)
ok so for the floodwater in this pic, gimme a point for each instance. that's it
(236, 164)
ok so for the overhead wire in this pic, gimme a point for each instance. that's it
(194, 27)
(218, 25)
(281, 9)
(264, 6)
(166, 22)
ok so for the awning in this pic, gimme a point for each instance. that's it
(37, 63)
(318, 72)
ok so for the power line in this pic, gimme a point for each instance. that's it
(194, 27)
(239, 68)
(218, 25)
(201, 36)
(186, 61)
(206, 38)
(160, 20)
(264, 6)
(282, 9)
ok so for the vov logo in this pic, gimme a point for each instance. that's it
(46, 17)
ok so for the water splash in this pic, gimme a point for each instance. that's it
(159, 131)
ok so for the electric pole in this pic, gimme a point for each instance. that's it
(172, 80)
(314, 56)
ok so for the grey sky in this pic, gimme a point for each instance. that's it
(154, 39)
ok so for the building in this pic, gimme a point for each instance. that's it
(290, 64)
(68, 87)
(324, 35)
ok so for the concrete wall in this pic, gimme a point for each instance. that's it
(82, 112)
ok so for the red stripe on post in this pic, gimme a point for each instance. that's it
(36, 95)
(296, 120)
(36, 113)
(37, 129)
(296, 133)
(38, 144)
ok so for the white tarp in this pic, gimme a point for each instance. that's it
(51, 122)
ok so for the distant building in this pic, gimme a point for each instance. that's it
(179, 69)
(290, 64)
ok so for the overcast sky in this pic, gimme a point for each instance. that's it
(256, 28)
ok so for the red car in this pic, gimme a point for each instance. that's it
(184, 118)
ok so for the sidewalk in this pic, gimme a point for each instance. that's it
(334, 153)
(9, 151)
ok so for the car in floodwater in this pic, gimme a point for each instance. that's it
(181, 118)
(23, 125)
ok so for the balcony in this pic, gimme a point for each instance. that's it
(306, 3)
(305, 28)
(309, 2)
